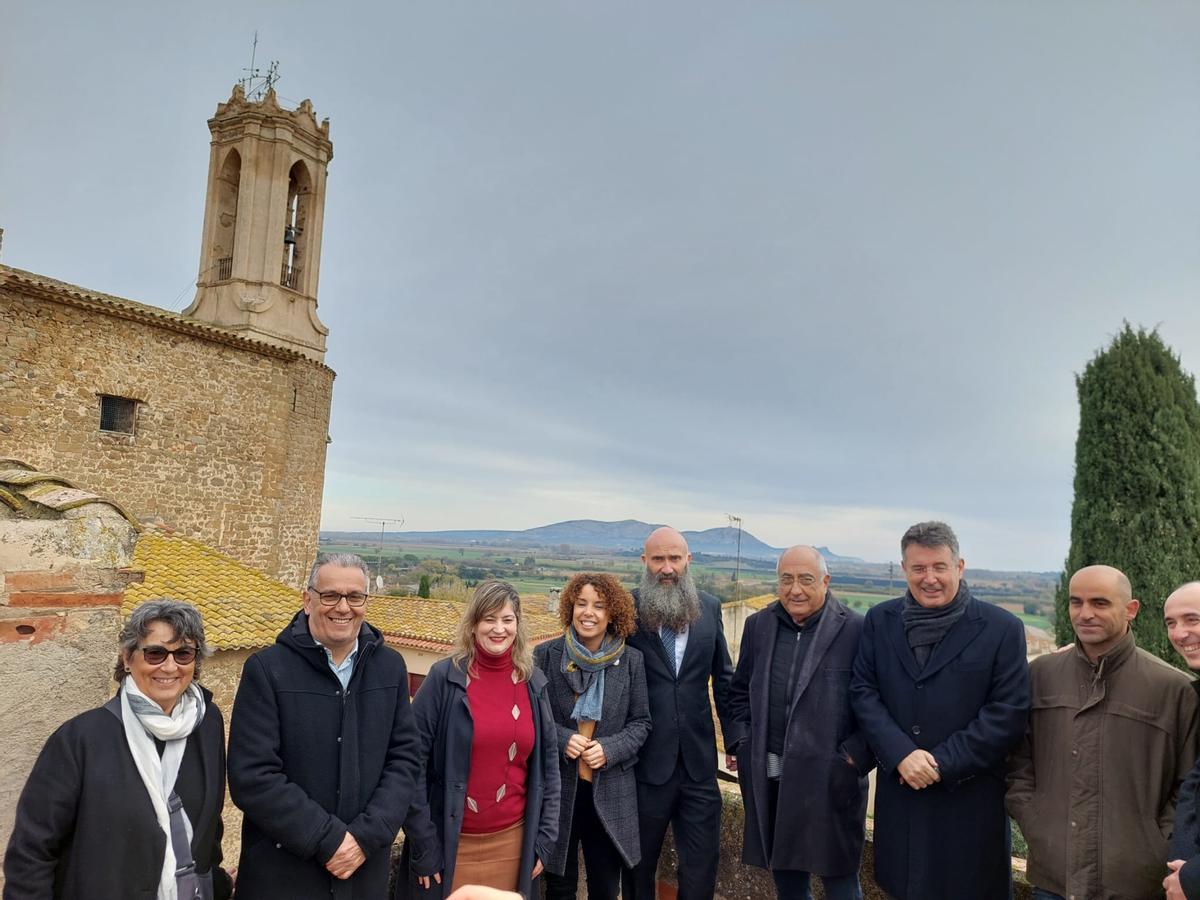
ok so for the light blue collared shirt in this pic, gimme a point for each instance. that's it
(346, 669)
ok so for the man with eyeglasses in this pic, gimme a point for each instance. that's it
(941, 689)
(323, 756)
(790, 695)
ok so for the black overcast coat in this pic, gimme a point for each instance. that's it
(306, 764)
(85, 826)
(968, 707)
(443, 716)
(818, 825)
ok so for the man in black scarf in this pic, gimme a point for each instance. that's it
(941, 689)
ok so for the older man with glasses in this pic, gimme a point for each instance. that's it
(803, 762)
(322, 752)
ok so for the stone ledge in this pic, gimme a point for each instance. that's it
(63, 599)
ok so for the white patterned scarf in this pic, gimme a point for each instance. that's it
(143, 719)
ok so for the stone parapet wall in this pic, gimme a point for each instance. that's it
(229, 444)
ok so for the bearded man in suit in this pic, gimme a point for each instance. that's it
(682, 640)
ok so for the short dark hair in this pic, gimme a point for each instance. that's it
(185, 623)
(930, 534)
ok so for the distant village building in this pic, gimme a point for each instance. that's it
(214, 421)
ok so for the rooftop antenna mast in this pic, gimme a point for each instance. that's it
(737, 566)
(256, 84)
(383, 523)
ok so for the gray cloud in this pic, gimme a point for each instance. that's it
(829, 268)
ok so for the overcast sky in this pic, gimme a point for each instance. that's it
(830, 267)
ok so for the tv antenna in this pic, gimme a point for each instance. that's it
(256, 84)
(383, 524)
(737, 565)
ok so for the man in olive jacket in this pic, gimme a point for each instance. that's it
(323, 754)
(1111, 736)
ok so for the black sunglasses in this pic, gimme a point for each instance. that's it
(156, 656)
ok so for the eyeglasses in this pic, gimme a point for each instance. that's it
(156, 656)
(333, 598)
(788, 580)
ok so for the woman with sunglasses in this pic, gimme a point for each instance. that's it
(125, 800)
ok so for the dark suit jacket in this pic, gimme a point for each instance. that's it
(968, 707)
(682, 733)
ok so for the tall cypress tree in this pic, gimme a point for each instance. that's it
(1137, 479)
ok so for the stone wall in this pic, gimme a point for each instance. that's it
(62, 580)
(229, 445)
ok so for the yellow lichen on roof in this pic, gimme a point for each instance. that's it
(437, 620)
(761, 601)
(415, 617)
(242, 607)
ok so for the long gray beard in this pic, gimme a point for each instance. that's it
(674, 605)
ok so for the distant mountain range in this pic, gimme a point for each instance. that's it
(585, 534)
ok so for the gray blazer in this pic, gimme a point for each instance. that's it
(622, 729)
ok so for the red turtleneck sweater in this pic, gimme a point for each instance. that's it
(500, 747)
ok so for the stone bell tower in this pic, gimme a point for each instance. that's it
(261, 251)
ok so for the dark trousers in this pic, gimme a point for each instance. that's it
(693, 810)
(1039, 894)
(600, 857)
(795, 885)
(792, 884)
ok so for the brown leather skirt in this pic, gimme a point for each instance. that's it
(492, 859)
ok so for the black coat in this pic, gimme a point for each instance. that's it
(968, 707)
(307, 764)
(818, 824)
(443, 717)
(1185, 839)
(85, 827)
(680, 713)
(621, 731)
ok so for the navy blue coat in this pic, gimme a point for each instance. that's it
(443, 717)
(818, 825)
(309, 762)
(680, 714)
(968, 707)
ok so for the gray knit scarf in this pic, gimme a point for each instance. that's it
(925, 627)
(584, 672)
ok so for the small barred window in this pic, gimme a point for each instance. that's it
(117, 414)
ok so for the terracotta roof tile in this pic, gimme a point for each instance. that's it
(415, 621)
(41, 494)
(242, 607)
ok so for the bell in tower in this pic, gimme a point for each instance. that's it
(261, 250)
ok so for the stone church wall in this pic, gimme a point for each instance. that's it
(229, 443)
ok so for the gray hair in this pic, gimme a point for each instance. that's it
(185, 622)
(349, 560)
(822, 565)
(930, 534)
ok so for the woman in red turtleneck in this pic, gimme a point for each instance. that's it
(487, 810)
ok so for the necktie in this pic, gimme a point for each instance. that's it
(667, 636)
